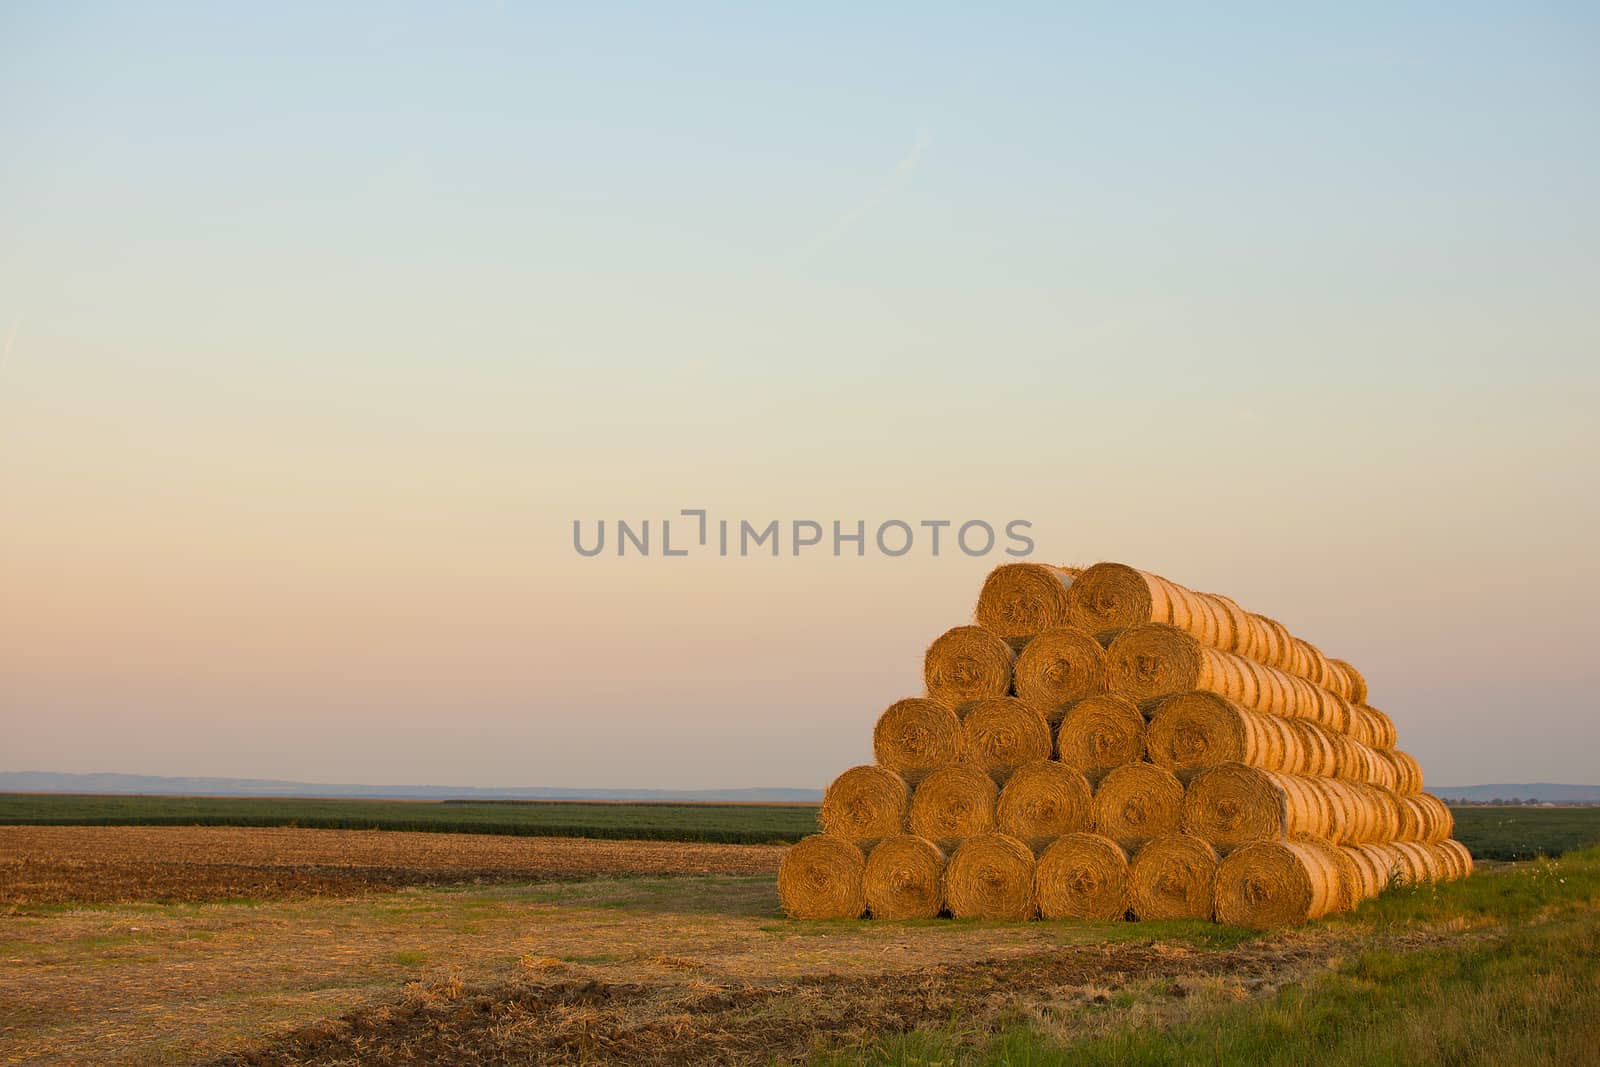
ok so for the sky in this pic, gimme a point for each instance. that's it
(321, 326)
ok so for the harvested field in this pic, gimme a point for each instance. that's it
(109, 864)
(691, 963)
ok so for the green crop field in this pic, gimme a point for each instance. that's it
(1495, 833)
(726, 823)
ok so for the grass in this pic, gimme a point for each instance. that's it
(1525, 990)
(720, 823)
(1499, 833)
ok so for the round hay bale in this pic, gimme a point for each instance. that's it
(1158, 660)
(954, 802)
(1114, 596)
(1058, 667)
(1277, 883)
(1190, 732)
(821, 878)
(1407, 772)
(1424, 817)
(1042, 800)
(916, 735)
(967, 663)
(1234, 804)
(1371, 727)
(990, 877)
(1351, 884)
(1372, 872)
(1100, 733)
(1174, 877)
(1020, 600)
(1003, 733)
(904, 879)
(1082, 876)
(1461, 858)
(1136, 802)
(1354, 685)
(865, 803)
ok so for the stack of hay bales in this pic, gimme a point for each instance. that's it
(1106, 743)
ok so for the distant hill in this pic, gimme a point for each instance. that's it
(51, 782)
(1546, 792)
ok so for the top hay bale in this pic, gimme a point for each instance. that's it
(1022, 600)
(1114, 596)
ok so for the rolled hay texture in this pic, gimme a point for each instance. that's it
(1114, 596)
(1357, 684)
(1003, 733)
(1400, 863)
(917, 735)
(1158, 660)
(865, 803)
(1277, 883)
(904, 878)
(1174, 877)
(967, 663)
(1355, 762)
(954, 802)
(1101, 733)
(1058, 667)
(1136, 802)
(1407, 772)
(1190, 732)
(1234, 804)
(1043, 800)
(1351, 885)
(1372, 727)
(1082, 876)
(1424, 817)
(1021, 600)
(990, 877)
(821, 878)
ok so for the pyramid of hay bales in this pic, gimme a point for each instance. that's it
(1106, 743)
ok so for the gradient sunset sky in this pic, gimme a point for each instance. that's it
(319, 328)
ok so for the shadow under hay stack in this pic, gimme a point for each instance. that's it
(1106, 743)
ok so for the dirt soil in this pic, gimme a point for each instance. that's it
(111, 864)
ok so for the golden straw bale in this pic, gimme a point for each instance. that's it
(990, 877)
(1319, 748)
(1424, 817)
(1372, 727)
(821, 878)
(967, 663)
(1157, 660)
(1020, 600)
(1059, 666)
(1189, 732)
(1136, 802)
(1351, 880)
(1355, 686)
(1174, 877)
(1042, 800)
(1100, 733)
(1460, 858)
(916, 735)
(1083, 876)
(1407, 772)
(904, 878)
(1277, 883)
(954, 802)
(1003, 733)
(1113, 596)
(1372, 868)
(1232, 804)
(865, 803)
